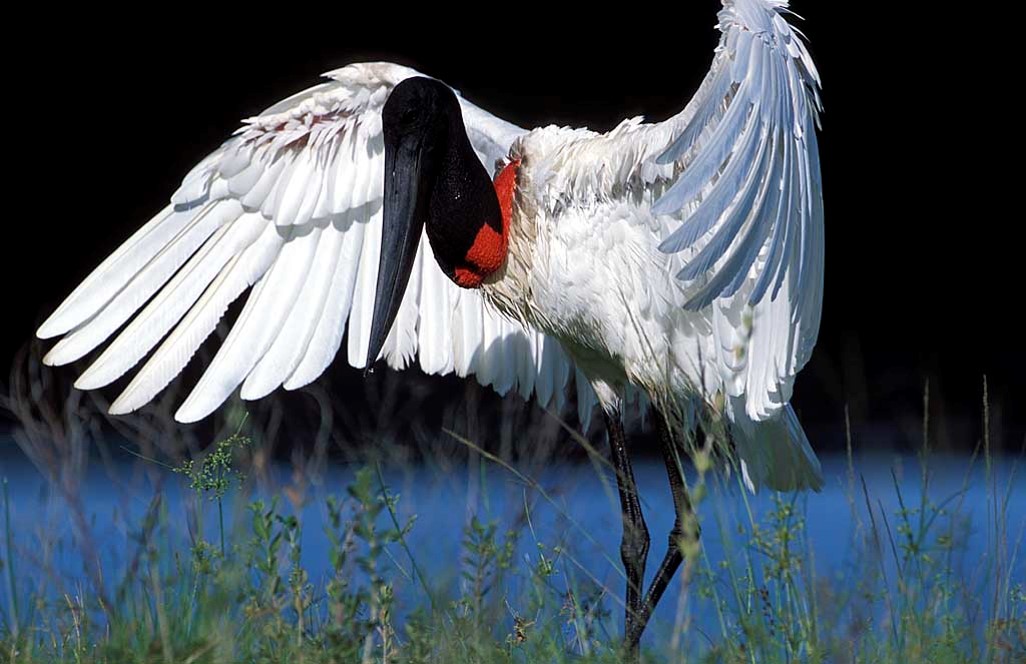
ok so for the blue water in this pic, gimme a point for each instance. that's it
(579, 513)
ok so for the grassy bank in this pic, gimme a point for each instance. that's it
(906, 595)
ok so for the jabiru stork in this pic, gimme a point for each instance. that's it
(682, 260)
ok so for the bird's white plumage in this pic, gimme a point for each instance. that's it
(686, 257)
(683, 259)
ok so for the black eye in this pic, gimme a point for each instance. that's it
(408, 116)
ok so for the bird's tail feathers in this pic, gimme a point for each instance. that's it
(775, 453)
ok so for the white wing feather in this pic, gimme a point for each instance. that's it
(750, 196)
(292, 206)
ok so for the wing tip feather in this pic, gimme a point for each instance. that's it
(122, 406)
(51, 327)
(191, 412)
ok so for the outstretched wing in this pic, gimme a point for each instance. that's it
(750, 196)
(291, 206)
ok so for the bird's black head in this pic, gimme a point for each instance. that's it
(418, 117)
(433, 179)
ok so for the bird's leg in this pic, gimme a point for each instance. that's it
(685, 529)
(634, 544)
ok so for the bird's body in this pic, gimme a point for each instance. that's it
(682, 260)
(591, 275)
(586, 268)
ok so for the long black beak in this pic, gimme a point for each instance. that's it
(403, 223)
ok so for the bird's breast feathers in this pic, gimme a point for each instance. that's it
(589, 271)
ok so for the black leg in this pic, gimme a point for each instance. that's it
(685, 528)
(634, 544)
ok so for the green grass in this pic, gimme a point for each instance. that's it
(906, 594)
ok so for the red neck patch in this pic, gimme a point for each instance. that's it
(488, 251)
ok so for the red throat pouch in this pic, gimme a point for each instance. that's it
(488, 251)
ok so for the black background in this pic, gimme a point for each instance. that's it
(107, 111)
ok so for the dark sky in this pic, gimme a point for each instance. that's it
(107, 112)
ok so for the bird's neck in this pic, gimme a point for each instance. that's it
(490, 250)
(469, 219)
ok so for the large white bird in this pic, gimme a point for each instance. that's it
(682, 259)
